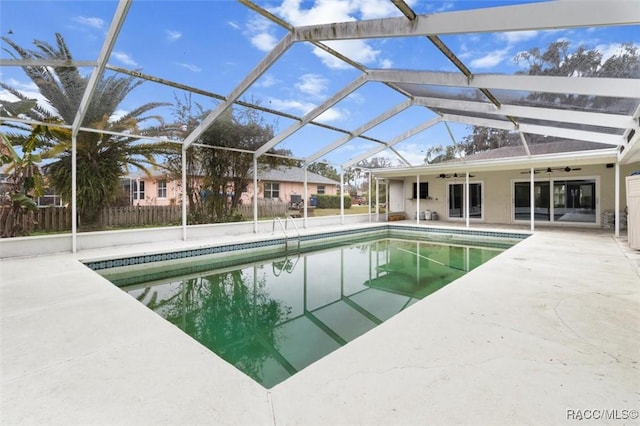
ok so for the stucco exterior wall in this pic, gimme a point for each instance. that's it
(174, 192)
(498, 191)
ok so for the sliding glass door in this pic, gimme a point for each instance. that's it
(457, 204)
(562, 200)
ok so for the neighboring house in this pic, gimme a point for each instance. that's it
(274, 184)
(283, 182)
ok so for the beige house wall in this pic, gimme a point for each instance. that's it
(174, 191)
(498, 191)
(289, 188)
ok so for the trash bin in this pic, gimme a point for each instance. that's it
(313, 201)
(427, 215)
(434, 216)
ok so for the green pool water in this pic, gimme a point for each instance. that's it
(273, 318)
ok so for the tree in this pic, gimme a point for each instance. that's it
(560, 60)
(23, 184)
(324, 169)
(227, 172)
(101, 157)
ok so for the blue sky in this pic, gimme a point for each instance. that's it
(213, 44)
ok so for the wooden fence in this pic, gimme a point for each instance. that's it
(133, 216)
(58, 219)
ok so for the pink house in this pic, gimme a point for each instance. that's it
(276, 184)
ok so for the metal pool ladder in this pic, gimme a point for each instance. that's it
(284, 230)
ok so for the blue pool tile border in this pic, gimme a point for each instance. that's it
(204, 251)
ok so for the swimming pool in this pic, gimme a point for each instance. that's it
(273, 313)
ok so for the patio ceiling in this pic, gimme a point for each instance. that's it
(498, 101)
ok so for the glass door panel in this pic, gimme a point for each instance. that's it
(574, 201)
(455, 200)
(523, 201)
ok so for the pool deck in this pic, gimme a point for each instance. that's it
(545, 329)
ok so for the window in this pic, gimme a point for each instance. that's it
(138, 190)
(562, 200)
(457, 206)
(320, 189)
(424, 190)
(162, 189)
(271, 190)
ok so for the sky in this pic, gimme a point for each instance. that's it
(213, 44)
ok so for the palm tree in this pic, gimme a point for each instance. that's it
(101, 157)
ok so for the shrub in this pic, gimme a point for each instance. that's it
(332, 201)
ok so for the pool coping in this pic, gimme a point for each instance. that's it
(545, 327)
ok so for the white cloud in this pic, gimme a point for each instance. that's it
(260, 33)
(264, 41)
(386, 63)
(514, 37)
(118, 114)
(89, 21)
(190, 67)
(124, 58)
(312, 84)
(291, 105)
(302, 108)
(612, 49)
(357, 50)
(332, 115)
(30, 91)
(491, 59)
(233, 25)
(266, 80)
(173, 35)
(328, 11)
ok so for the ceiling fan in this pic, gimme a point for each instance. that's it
(549, 170)
(447, 176)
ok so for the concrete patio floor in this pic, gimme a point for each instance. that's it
(540, 334)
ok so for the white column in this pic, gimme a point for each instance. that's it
(184, 193)
(617, 200)
(74, 194)
(465, 197)
(369, 196)
(255, 195)
(305, 195)
(377, 200)
(341, 196)
(532, 199)
(417, 199)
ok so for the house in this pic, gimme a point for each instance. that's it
(574, 183)
(280, 183)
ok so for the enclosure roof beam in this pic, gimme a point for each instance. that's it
(103, 57)
(406, 135)
(379, 119)
(249, 79)
(611, 87)
(582, 135)
(346, 91)
(524, 17)
(550, 114)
